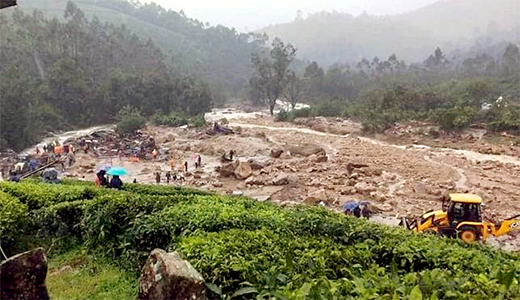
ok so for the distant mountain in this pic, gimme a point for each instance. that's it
(450, 24)
(218, 54)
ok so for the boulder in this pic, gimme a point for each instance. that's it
(316, 197)
(307, 150)
(364, 188)
(276, 153)
(258, 164)
(168, 276)
(281, 179)
(257, 180)
(243, 171)
(23, 276)
(228, 170)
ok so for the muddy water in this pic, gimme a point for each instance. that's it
(302, 130)
(469, 155)
(62, 137)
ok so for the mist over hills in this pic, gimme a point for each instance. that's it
(217, 54)
(332, 37)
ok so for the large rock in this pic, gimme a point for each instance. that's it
(258, 164)
(307, 150)
(257, 180)
(228, 170)
(243, 171)
(281, 179)
(23, 276)
(168, 276)
(276, 153)
(316, 197)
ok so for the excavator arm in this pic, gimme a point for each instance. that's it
(508, 225)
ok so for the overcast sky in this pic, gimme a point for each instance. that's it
(255, 14)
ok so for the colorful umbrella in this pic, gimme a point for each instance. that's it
(117, 171)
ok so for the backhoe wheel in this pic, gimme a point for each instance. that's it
(468, 234)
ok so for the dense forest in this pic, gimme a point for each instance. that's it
(76, 69)
(219, 55)
(57, 75)
(452, 93)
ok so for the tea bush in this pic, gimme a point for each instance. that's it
(13, 216)
(37, 195)
(247, 249)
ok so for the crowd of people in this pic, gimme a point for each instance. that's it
(52, 153)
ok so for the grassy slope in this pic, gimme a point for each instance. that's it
(77, 275)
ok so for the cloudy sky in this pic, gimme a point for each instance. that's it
(255, 14)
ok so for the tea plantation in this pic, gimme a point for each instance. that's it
(251, 250)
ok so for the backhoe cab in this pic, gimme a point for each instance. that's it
(461, 216)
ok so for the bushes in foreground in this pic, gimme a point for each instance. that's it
(259, 250)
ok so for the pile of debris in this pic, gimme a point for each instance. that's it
(219, 129)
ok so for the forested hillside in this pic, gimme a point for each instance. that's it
(56, 75)
(218, 54)
(483, 87)
(331, 37)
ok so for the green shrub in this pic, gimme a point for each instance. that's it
(174, 119)
(332, 108)
(61, 220)
(197, 121)
(284, 116)
(13, 217)
(456, 118)
(161, 190)
(129, 120)
(302, 113)
(255, 249)
(37, 195)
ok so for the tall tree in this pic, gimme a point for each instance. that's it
(512, 59)
(294, 89)
(271, 72)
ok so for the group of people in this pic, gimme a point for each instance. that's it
(114, 183)
(169, 176)
(184, 163)
(56, 148)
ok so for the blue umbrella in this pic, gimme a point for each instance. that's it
(117, 171)
(350, 206)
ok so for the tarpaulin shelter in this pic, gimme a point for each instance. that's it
(7, 3)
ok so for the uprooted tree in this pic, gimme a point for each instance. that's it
(271, 72)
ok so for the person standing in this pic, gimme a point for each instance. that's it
(168, 176)
(157, 177)
(199, 161)
(186, 166)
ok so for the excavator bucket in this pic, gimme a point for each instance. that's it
(7, 3)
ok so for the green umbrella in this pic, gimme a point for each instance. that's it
(117, 171)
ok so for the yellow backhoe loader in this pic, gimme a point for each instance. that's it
(461, 216)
